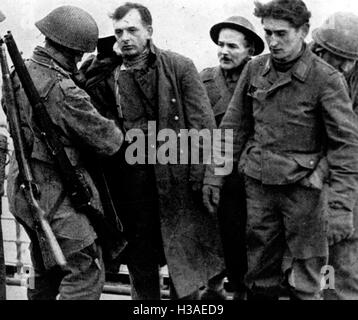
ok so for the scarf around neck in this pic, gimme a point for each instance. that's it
(136, 62)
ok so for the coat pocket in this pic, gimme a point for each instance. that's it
(318, 176)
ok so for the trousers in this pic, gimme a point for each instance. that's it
(232, 217)
(285, 223)
(82, 279)
(343, 257)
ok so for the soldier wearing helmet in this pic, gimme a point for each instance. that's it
(289, 110)
(236, 42)
(69, 32)
(336, 42)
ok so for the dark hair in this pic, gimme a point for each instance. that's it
(293, 11)
(144, 13)
(250, 43)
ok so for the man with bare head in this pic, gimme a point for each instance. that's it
(160, 205)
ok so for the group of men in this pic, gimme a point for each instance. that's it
(285, 211)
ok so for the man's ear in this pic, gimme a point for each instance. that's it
(252, 50)
(305, 30)
(150, 31)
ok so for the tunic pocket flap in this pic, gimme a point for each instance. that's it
(308, 161)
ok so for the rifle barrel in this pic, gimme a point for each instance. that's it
(49, 246)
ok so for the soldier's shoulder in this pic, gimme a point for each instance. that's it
(172, 55)
(322, 67)
(259, 61)
(70, 89)
(174, 59)
(44, 77)
(207, 74)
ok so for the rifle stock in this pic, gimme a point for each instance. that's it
(50, 249)
(3, 153)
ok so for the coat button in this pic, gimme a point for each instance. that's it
(176, 118)
(174, 100)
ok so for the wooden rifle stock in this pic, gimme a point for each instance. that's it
(3, 153)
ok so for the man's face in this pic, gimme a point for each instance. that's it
(341, 64)
(284, 41)
(132, 36)
(232, 48)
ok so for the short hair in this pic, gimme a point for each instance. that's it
(144, 13)
(293, 11)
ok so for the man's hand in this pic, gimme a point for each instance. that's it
(211, 197)
(340, 227)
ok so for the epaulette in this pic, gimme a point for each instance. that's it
(53, 66)
(207, 74)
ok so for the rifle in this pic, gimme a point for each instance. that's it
(108, 227)
(3, 153)
(50, 249)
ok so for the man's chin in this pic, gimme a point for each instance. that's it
(129, 53)
(226, 66)
(279, 56)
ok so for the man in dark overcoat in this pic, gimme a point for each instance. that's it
(160, 204)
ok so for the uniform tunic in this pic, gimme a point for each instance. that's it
(282, 128)
(80, 127)
(232, 210)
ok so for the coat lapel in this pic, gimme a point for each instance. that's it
(270, 76)
(164, 86)
(225, 95)
(146, 79)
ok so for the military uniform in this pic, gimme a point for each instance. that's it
(287, 123)
(330, 43)
(80, 126)
(232, 209)
(171, 93)
(343, 255)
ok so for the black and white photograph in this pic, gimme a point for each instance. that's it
(196, 153)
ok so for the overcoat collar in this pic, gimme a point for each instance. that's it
(299, 70)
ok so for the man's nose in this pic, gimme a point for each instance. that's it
(224, 50)
(125, 36)
(272, 41)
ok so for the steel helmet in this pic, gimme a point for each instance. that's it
(242, 25)
(71, 27)
(339, 35)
